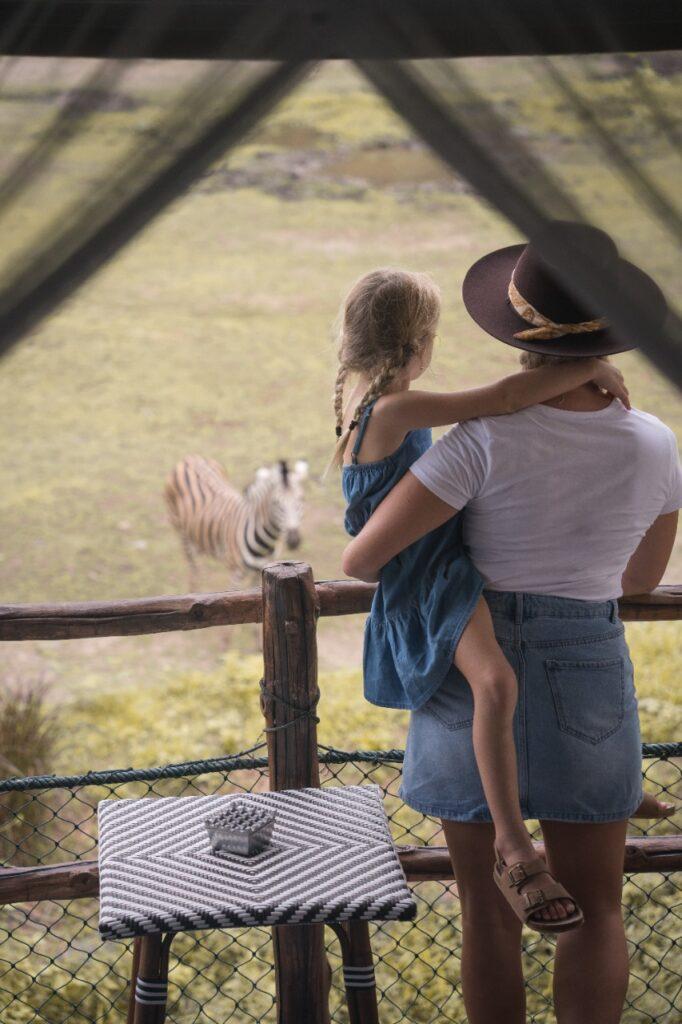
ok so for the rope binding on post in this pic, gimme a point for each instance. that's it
(306, 710)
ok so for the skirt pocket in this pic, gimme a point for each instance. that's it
(589, 697)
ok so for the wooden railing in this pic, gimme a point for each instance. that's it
(78, 620)
(288, 605)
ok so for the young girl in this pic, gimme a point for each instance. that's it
(428, 612)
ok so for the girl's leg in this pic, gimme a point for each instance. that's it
(591, 965)
(491, 933)
(495, 690)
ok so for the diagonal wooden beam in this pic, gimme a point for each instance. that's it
(412, 96)
(36, 300)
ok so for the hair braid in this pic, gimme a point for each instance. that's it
(338, 396)
(374, 391)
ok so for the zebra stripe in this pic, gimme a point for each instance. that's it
(244, 531)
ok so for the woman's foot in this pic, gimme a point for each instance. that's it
(651, 807)
(557, 909)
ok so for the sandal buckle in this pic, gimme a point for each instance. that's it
(517, 874)
(535, 898)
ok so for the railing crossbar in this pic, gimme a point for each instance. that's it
(80, 879)
(146, 615)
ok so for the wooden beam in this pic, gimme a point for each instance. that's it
(324, 29)
(128, 617)
(663, 603)
(642, 854)
(75, 880)
(349, 597)
(141, 616)
(80, 879)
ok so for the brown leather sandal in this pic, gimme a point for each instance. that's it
(508, 880)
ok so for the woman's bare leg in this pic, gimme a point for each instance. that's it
(491, 933)
(493, 683)
(591, 965)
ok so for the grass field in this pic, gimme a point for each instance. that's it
(212, 333)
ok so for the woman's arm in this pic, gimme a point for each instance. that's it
(407, 512)
(409, 410)
(645, 569)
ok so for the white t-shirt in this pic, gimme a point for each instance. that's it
(556, 501)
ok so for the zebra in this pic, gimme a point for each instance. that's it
(245, 531)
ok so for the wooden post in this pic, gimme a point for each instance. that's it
(288, 702)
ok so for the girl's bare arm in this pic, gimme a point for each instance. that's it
(407, 512)
(409, 410)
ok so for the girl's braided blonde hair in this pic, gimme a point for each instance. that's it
(386, 319)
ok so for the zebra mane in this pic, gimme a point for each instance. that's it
(257, 483)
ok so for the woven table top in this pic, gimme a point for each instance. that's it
(331, 859)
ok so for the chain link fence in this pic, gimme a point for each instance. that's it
(55, 969)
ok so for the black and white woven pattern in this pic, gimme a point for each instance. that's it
(241, 816)
(331, 858)
(242, 827)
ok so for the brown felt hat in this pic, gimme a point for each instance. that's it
(537, 289)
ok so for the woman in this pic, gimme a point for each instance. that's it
(567, 505)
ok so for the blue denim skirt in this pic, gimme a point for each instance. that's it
(576, 724)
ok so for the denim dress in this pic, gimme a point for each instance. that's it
(426, 594)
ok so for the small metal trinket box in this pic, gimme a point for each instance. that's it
(242, 828)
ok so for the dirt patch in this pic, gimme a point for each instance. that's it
(665, 64)
(295, 175)
(82, 100)
(291, 135)
(383, 167)
(346, 172)
(339, 644)
(71, 666)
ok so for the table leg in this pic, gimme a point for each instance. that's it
(358, 971)
(130, 1019)
(149, 982)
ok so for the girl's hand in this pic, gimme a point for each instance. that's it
(611, 380)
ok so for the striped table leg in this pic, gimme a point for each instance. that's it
(359, 977)
(149, 987)
(151, 993)
(358, 971)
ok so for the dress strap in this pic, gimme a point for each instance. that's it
(362, 427)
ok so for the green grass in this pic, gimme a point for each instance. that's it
(211, 332)
(192, 714)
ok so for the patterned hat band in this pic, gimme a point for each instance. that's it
(545, 329)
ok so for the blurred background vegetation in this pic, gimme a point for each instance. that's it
(212, 333)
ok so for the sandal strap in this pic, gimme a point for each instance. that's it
(523, 870)
(535, 899)
(526, 904)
